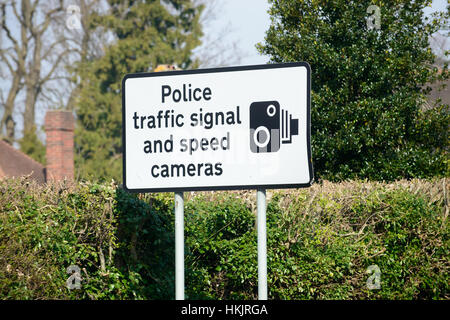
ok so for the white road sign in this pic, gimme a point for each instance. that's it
(209, 129)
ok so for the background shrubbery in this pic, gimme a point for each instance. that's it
(320, 242)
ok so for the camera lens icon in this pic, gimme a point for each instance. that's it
(261, 136)
(270, 126)
(271, 110)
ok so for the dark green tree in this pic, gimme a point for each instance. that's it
(31, 145)
(369, 85)
(147, 33)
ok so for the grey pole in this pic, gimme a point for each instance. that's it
(179, 246)
(262, 244)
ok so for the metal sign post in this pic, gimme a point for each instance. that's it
(179, 226)
(232, 128)
(262, 244)
(179, 246)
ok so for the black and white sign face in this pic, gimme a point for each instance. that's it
(209, 129)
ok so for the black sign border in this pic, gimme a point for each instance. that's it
(217, 70)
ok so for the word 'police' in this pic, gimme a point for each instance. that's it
(187, 94)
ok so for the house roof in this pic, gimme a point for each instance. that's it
(14, 163)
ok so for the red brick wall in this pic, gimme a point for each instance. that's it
(59, 126)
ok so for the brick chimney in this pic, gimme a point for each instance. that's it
(59, 126)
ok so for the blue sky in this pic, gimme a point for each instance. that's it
(249, 21)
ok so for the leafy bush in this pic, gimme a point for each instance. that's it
(321, 240)
(146, 241)
(45, 229)
(222, 253)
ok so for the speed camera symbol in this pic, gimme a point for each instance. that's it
(270, 126)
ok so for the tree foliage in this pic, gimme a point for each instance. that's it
(368, 85)
(148, 33)
(31, 145)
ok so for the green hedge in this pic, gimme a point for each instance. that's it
(321, 240)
